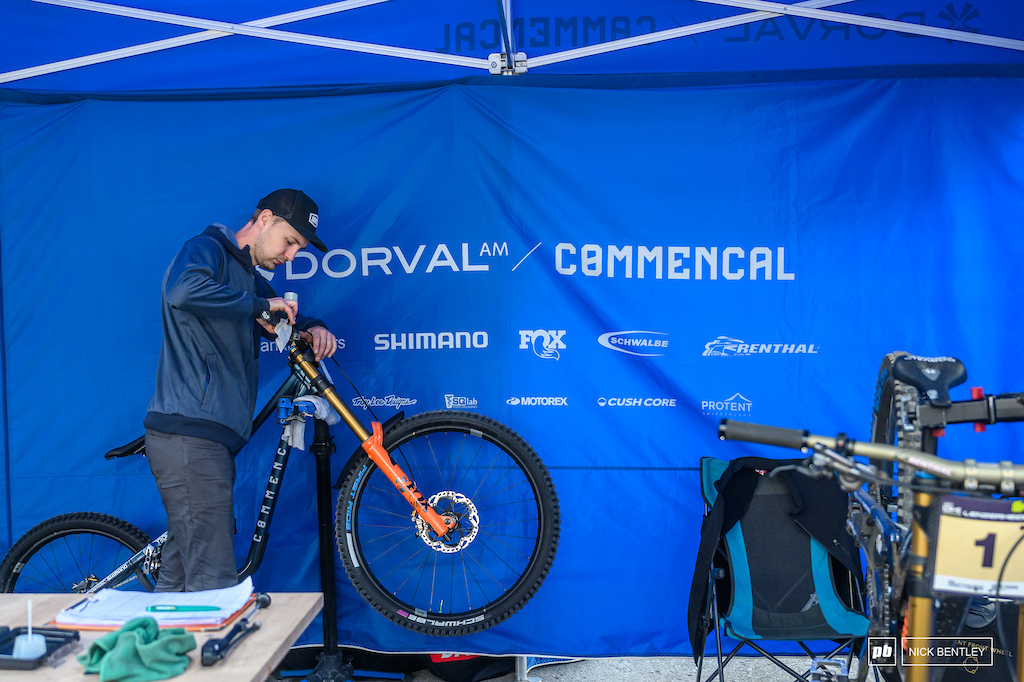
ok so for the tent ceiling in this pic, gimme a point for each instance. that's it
(503, 21)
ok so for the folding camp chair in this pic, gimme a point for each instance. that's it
(775, 563)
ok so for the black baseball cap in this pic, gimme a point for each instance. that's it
(298, 209)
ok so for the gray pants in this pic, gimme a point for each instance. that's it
(195, 477)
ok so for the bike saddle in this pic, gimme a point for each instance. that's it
(136, 447)
(933, 377)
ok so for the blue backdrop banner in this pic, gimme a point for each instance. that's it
(609, 271)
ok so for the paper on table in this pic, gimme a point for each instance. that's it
(114, 608)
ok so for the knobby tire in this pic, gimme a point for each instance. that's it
(70, 552)
(470, 465)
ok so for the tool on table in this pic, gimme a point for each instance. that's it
(216, 649)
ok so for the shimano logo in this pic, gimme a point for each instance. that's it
(430, 340)
(735, 406)
(538, 401)
(636, 402)
(725, 346)
(455, 402)
(545, 342)
(397, 402)
(644, 344)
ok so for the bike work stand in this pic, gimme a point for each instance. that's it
(330, 667)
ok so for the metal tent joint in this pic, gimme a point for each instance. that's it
(498, 64)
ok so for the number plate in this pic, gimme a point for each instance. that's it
(974, 540)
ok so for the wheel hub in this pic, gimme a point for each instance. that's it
(453, 505)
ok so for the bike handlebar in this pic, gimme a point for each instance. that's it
(1007, 476)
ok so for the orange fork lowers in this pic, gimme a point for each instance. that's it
(374, 447)
(373, 444)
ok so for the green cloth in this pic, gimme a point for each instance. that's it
(139, 652)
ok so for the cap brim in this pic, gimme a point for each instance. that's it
(311, 237)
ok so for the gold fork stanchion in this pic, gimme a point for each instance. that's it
(920, 602)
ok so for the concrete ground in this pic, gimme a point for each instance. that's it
(656, 669)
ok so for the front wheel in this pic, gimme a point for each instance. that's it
(71, 552)
(487, 477)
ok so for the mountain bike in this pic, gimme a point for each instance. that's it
(961, 540)
(447, 522)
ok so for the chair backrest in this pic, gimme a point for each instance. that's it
(781, 583)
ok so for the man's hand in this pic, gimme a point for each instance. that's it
(321, 340)
(290, 308)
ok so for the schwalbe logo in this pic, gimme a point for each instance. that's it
(639, 343)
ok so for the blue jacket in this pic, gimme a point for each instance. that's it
(207, 374)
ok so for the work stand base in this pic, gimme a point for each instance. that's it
(331, 669)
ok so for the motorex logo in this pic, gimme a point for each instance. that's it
(545, 342)
(538, 401)
(641, 343)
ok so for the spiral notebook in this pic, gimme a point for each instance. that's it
(110, 609)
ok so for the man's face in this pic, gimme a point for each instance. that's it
(276, 243)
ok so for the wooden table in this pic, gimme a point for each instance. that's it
(250, 660)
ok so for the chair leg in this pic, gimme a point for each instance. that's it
(718, 632)
(721, 666)
(796, 676)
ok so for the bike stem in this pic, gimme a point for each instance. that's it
(373, 444)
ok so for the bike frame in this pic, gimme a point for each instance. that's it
(304, 371)
(1003, 477)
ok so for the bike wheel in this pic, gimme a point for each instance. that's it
(489, 477)
(70, 553)
(894, 422)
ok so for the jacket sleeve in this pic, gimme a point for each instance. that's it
(191, 284)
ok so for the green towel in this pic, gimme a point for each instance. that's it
(139, 652)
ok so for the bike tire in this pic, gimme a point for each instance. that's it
(893, 422)
(481, 470)
(70, 552)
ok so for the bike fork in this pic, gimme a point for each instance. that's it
(372, 443)
(920, 603)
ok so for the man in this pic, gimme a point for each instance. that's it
(214, 308)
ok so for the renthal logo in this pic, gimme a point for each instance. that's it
(736, 405)
(456, 402)
(545, 342)
(636, 402)
(541, 401)
(725, 346)
(644, 344)
(430, 340)
(394, 401)
(389, 260)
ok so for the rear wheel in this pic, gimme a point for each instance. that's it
(894, 422)
(71, 553)
(491, 481)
